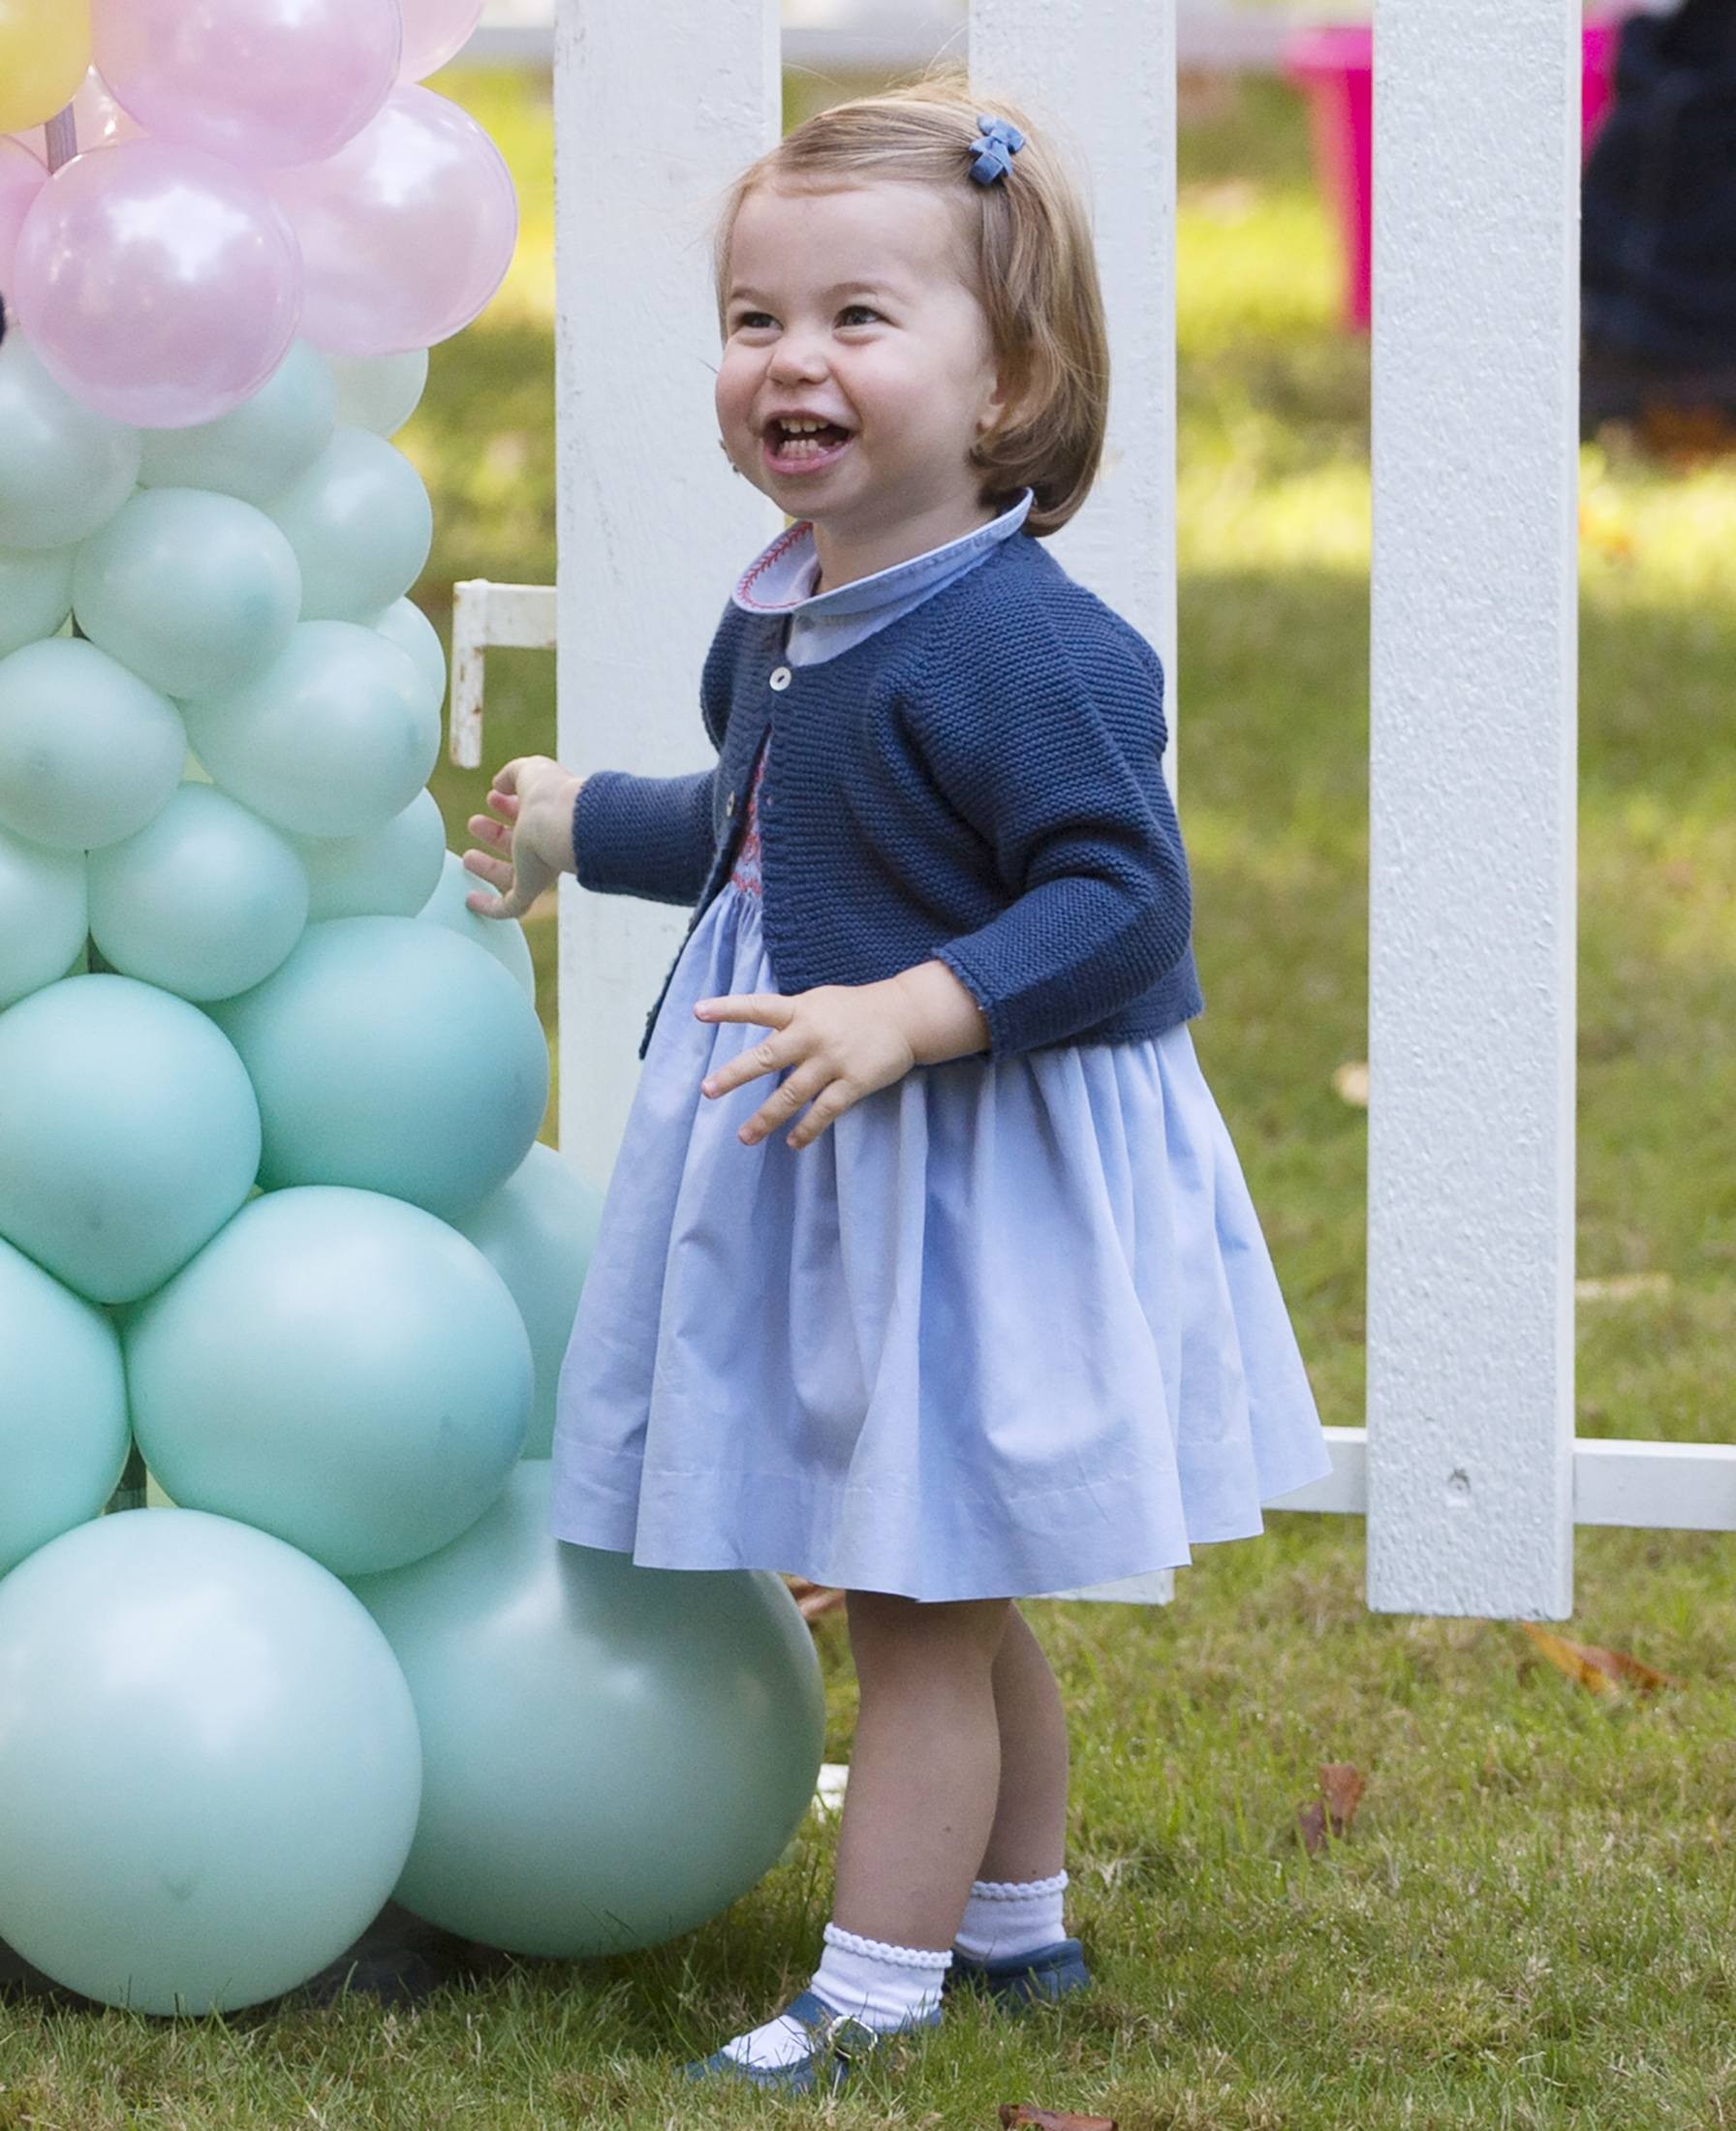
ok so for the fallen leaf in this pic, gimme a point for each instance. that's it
(1594, 1666)
(1341, 1789)
(1053, 2119)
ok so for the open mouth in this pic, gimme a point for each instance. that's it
(805, 448)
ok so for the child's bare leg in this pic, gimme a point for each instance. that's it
(1029, 1838)
(925, 1766)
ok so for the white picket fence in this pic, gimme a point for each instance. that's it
(1467, 1471)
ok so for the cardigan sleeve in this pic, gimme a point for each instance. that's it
(1054, 755)
(645, 836)
(653, 836)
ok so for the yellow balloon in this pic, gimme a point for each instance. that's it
(44, 48)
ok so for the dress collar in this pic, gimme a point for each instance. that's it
(778, 580)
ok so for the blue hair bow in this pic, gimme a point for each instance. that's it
(992, 157)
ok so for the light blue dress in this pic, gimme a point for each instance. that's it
(1002, 1330)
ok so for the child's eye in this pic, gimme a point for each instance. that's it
(749, 318)
(867, 309)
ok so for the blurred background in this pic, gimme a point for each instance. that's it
(1272, 672)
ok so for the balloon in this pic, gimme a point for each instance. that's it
(64, 470)
(380, 392)
(339, 1369)
(205, 900)
(255, 81)
(611, 1755)
(405, 232)
(159, 285)
(42, 915)
(21, 177)
(195, 592)
(538, 1231)
(503, 936)
(98, 120)
(258, 448)
(390, 1056)
(128, 1133)
(44, 48)
(87, 751)
(333, 739)
(387, 872)
(361, 525)
(63, 1410)
(404, 624)
(434, 32)
(35, 593)
(209, 1760)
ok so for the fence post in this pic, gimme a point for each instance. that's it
(1472, 796)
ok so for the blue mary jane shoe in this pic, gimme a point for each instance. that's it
(840, 2041)
(1050, 1972)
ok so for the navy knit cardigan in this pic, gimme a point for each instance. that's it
(979, 780)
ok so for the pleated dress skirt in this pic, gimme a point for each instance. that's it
(1004, 1329)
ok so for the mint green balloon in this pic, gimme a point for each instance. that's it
(205, 900)
(128, 1133)
(209, 1760)
(538, 1231)
(380, 392)
(259, 447)
(611, 1755)
(35, 593)
(332, 739)
(87, 751)
(362, 526)
(387, 872)
(193, 591)
(63, 1408)
(503, 936)
(405, 625)
(339, 1369)
(64, 469)
(43, 915)
(389, 1055)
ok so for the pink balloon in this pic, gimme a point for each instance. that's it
(405, 232)
(21, 177)
(159, 286)
(98, 120)
(434, 30)
(259, 82)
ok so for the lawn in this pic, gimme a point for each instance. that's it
(1529, 1921)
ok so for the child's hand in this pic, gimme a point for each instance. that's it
(534, 798)
(845, 1041)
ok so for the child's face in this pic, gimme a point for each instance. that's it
(850, 302)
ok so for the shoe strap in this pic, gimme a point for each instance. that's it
(845, 2035)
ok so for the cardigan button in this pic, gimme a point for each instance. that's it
(729, 804)
(781, 678)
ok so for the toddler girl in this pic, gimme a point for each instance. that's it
(966, 1302)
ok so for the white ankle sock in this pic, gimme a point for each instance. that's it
(883, 1986)
(1005, 1917)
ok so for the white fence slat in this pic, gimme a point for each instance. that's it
(1472, 977)
(657, 107)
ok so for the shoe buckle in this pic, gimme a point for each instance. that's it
(844, 2034)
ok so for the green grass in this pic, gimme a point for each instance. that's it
(1529, 1923)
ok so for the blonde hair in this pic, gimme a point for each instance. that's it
(1029, 260)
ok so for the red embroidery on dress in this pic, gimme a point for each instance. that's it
(747, 872)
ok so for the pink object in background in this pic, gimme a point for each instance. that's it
(405, 232)
(434, 32)
(22, 176)
(259, 82)
(157, 285)
(1334, 65)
